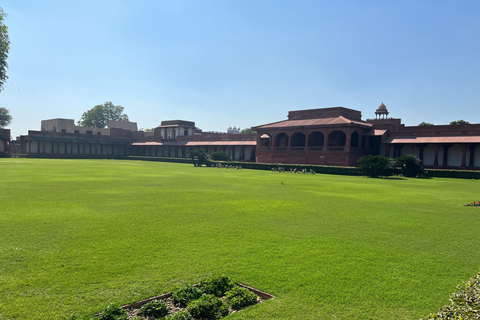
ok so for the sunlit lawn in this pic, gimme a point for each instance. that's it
(76, 235)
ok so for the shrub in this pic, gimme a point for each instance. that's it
(208, 307)
(411, 165)
(181, 315)
(113, 312)
(375, 166)
(155, 308)
(186, 294)
(239, 298)
(216, 284)
(465, 304)
(220, 156)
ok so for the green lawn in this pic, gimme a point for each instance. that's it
(78, 234)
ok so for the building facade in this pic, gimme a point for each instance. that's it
(335, 136)
(338, 136)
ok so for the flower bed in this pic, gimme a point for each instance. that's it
(214, 297)
(473, 204)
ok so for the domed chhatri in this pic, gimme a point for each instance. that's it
(381, 111)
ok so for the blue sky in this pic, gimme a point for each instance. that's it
(241, 62)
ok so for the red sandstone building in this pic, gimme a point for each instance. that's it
(330, 136)
(338, 136)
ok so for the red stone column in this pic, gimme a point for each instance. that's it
(464, 155)
(472, 156)
(445, 155)
(325, 140)
(348, 140)
(387, 149)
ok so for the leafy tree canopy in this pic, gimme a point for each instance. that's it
(423, 124)
(459, 122)
(5, 117)
(247, 131)
(4, 47)
(98, 116)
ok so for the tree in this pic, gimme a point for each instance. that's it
(375, 166)
(98, 116)
(458, 122)
(4, 47)
(411, 166)
(5, 117)
(220, 156)
(197, 154)
(424, 124)
(247, 131)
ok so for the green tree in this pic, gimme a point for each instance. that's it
(198, 156)
(375, 166)
(4, 47)
(5, 118)
(220, 156)
(247, 131)
(458, 122)
(411, 166)
(424, 124)
(98, 116)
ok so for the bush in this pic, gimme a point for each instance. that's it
(181, 297)
(216, 284)
(375, 166)
(113, 312)
(239, 298)
(411, 166)
(181, 315)
(155, 308)
(208, 307)
(220, 156)
(465, 304)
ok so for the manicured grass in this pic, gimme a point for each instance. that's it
(79, 234)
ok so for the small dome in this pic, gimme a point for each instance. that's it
(381, 109)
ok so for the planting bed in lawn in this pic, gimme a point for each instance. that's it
(79, 234)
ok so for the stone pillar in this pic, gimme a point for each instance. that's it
(464, 155)
(348, 141)
(412, 149)
(472, 156)
(435, 161)
(420, 156)
(387, 149)
(445, 155)
(325, 140)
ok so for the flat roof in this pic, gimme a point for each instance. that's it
(436, 139)
(197, 143)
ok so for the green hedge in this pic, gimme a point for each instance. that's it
(461, 174)
(70, 156)
(161, 159)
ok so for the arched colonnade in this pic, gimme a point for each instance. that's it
(439, 155)
(311, 140)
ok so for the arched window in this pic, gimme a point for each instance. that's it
(354, 139)
(298, 140)
(281, 140)
(265, 140)
(337, 139)
(315, 140)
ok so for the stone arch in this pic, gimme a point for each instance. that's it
(476, 157)
(454, 156)
(281, 140)
(298, 139)
(354, 139)
(316, 139)
(429, 155)
(265, 140)
(337, 139)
